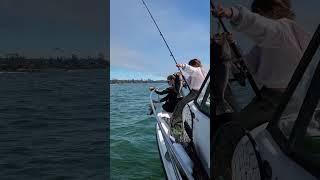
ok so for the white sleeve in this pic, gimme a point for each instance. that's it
(264, 31)
(203, 72)
(189, 69)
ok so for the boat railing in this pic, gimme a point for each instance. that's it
(169, 145)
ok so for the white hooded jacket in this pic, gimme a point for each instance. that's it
(196, 76)
(279, 47)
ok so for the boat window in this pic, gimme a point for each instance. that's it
(290, 114)
(309, 148)
(206, 104)
(203, 99)
(312, 137)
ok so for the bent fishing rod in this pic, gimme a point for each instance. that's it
(171, 54)
(238, 55)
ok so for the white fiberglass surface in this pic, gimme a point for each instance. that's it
(244, 162)
(166, 163)
(201, 136)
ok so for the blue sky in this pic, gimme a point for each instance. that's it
(136, 48)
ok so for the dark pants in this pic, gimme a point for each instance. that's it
(169, 107)
(177, 113)
(257, 112)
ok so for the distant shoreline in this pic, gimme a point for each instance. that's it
(22, 64)
(45, 70)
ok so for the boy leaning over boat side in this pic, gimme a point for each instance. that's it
(196, 77)
(171, 99)
(279, 45)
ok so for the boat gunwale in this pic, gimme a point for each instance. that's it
(170, 149)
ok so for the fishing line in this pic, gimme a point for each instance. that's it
(171, 54)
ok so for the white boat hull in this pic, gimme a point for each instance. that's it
(168, 166)
(176, 162)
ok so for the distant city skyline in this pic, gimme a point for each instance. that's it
(56, 52)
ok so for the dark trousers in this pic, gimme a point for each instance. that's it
(257, 112)
(169, 107)
(177, 113)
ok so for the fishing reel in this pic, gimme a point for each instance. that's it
(239, 76)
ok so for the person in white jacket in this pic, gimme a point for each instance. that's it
(196, 77)
(196, 73)
(279, 45)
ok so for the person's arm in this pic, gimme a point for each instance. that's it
(264, 31)
(187, 68)
(165, 91)
(165, 98)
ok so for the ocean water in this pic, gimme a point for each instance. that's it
(133, 147)
(134, 151)
(53, 125)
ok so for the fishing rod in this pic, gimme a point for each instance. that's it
(171, 54)
(243, 67)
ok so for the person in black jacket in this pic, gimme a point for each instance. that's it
(171, 99)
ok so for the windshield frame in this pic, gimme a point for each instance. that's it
(205, 95)
(289, 145)
(303, 120)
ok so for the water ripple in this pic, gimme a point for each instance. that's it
(134, 153)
